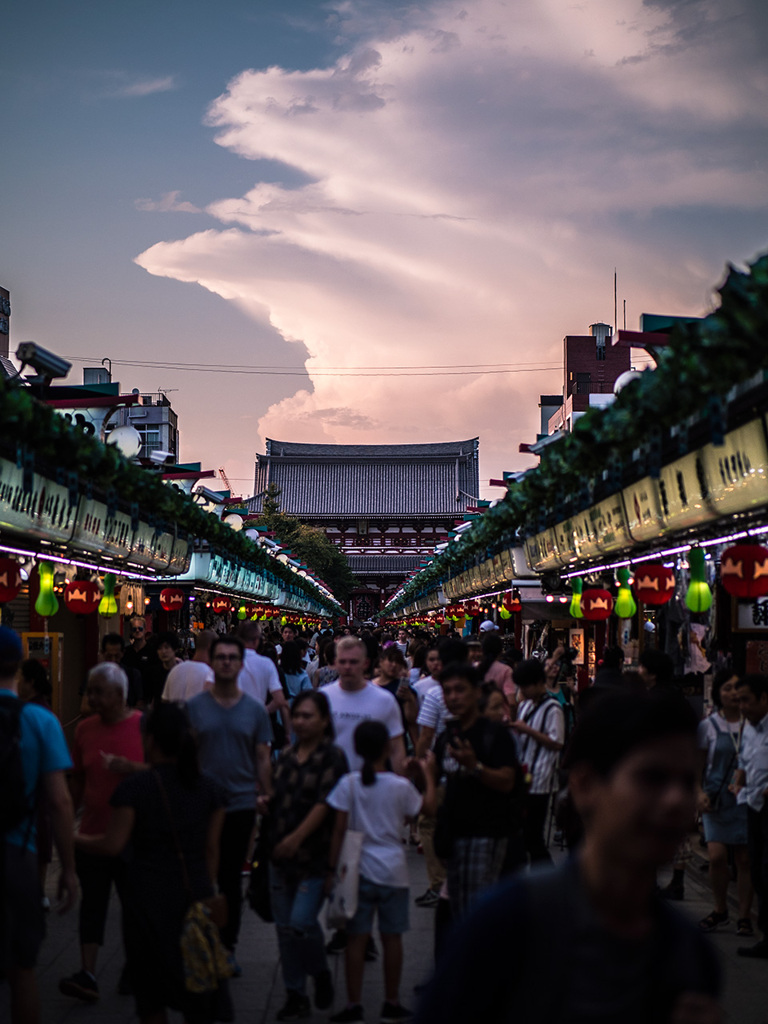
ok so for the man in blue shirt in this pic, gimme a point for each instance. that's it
(44, 759)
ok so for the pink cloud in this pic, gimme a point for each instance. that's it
(473, 181)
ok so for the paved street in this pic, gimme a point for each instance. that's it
(259, 993)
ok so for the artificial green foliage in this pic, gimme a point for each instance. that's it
(30, 429)
(703, 361)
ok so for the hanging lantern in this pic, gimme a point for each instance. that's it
(108, 603)
(10, 579)
(171, 599)
(504, 612)
(744, 570)
(698, 597)
(220, 605)
(626, 606)
(596, 604)
(512, 602)
(47, 603)
(577, 585)
(654, 583)
(82, 596)
(471, 608)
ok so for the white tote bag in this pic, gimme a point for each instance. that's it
(342, 902)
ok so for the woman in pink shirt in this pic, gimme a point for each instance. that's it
(107, 747)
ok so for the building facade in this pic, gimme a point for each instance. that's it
(385, 506)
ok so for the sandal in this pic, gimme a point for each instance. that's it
(744, 927)
(711, 921)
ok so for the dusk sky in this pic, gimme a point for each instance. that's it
(364, 192)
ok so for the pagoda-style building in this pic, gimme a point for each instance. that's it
(385, 505)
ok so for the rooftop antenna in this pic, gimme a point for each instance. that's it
(615, 301)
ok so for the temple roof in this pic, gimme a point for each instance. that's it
(367, 481)
(439, 449)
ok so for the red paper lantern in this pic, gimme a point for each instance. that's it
(10, 579)
(82, 596)
(171, 599)
(512, 601)
(596, 604)
(744, 570)
(220, 604)
(250, 609)
(472, 608)
(654, 583)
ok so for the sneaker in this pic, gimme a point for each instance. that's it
(428, 899)
(394, 1013)
(349, 1015)
(296, 1007)
(80, 986)
(759, 951)
(371, 953)
(323, 990)
(338, 942)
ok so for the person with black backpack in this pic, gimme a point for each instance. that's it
(33, 760)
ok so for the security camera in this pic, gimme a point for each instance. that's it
(46, 363)
(207, 495)
(160, 456)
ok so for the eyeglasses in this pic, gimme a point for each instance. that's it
(137, 629)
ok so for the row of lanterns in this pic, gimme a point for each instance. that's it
(743, 574)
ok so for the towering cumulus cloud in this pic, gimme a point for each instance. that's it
(472, 177)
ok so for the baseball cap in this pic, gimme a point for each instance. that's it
(10, 645)
(486, 626)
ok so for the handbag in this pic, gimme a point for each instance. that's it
(342, 902)
(258, 894)
(206, 964)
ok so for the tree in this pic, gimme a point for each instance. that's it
(309, 544)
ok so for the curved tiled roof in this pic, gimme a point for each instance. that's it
(440, 449)
(367, 481)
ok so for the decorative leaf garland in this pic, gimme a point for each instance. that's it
(702, 362)
(29, 427)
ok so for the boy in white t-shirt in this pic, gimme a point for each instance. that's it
(376, 802)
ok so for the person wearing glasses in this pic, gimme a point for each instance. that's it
(234, 734)
(137, 656)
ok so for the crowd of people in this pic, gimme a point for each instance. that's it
(180, 766)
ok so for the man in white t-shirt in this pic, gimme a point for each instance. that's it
(258, 676)
(353, 699)
(189, 678)
(540, 734)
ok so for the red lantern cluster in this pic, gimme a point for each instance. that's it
(171, 599)
(654, 583)
(10, 579)
(82, 596)
(744, 570)
(471, 608)
(596, 604)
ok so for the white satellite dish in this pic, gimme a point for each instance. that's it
(126, 439)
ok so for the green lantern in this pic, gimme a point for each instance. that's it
(625, 606)
(504, 612)
(47, 603)
(108, 603)
(698, 597)
(577, 585)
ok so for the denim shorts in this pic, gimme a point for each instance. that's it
(391, 904)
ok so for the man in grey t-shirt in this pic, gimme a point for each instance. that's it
(233, 734)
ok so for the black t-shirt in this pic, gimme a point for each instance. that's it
(473, 808)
